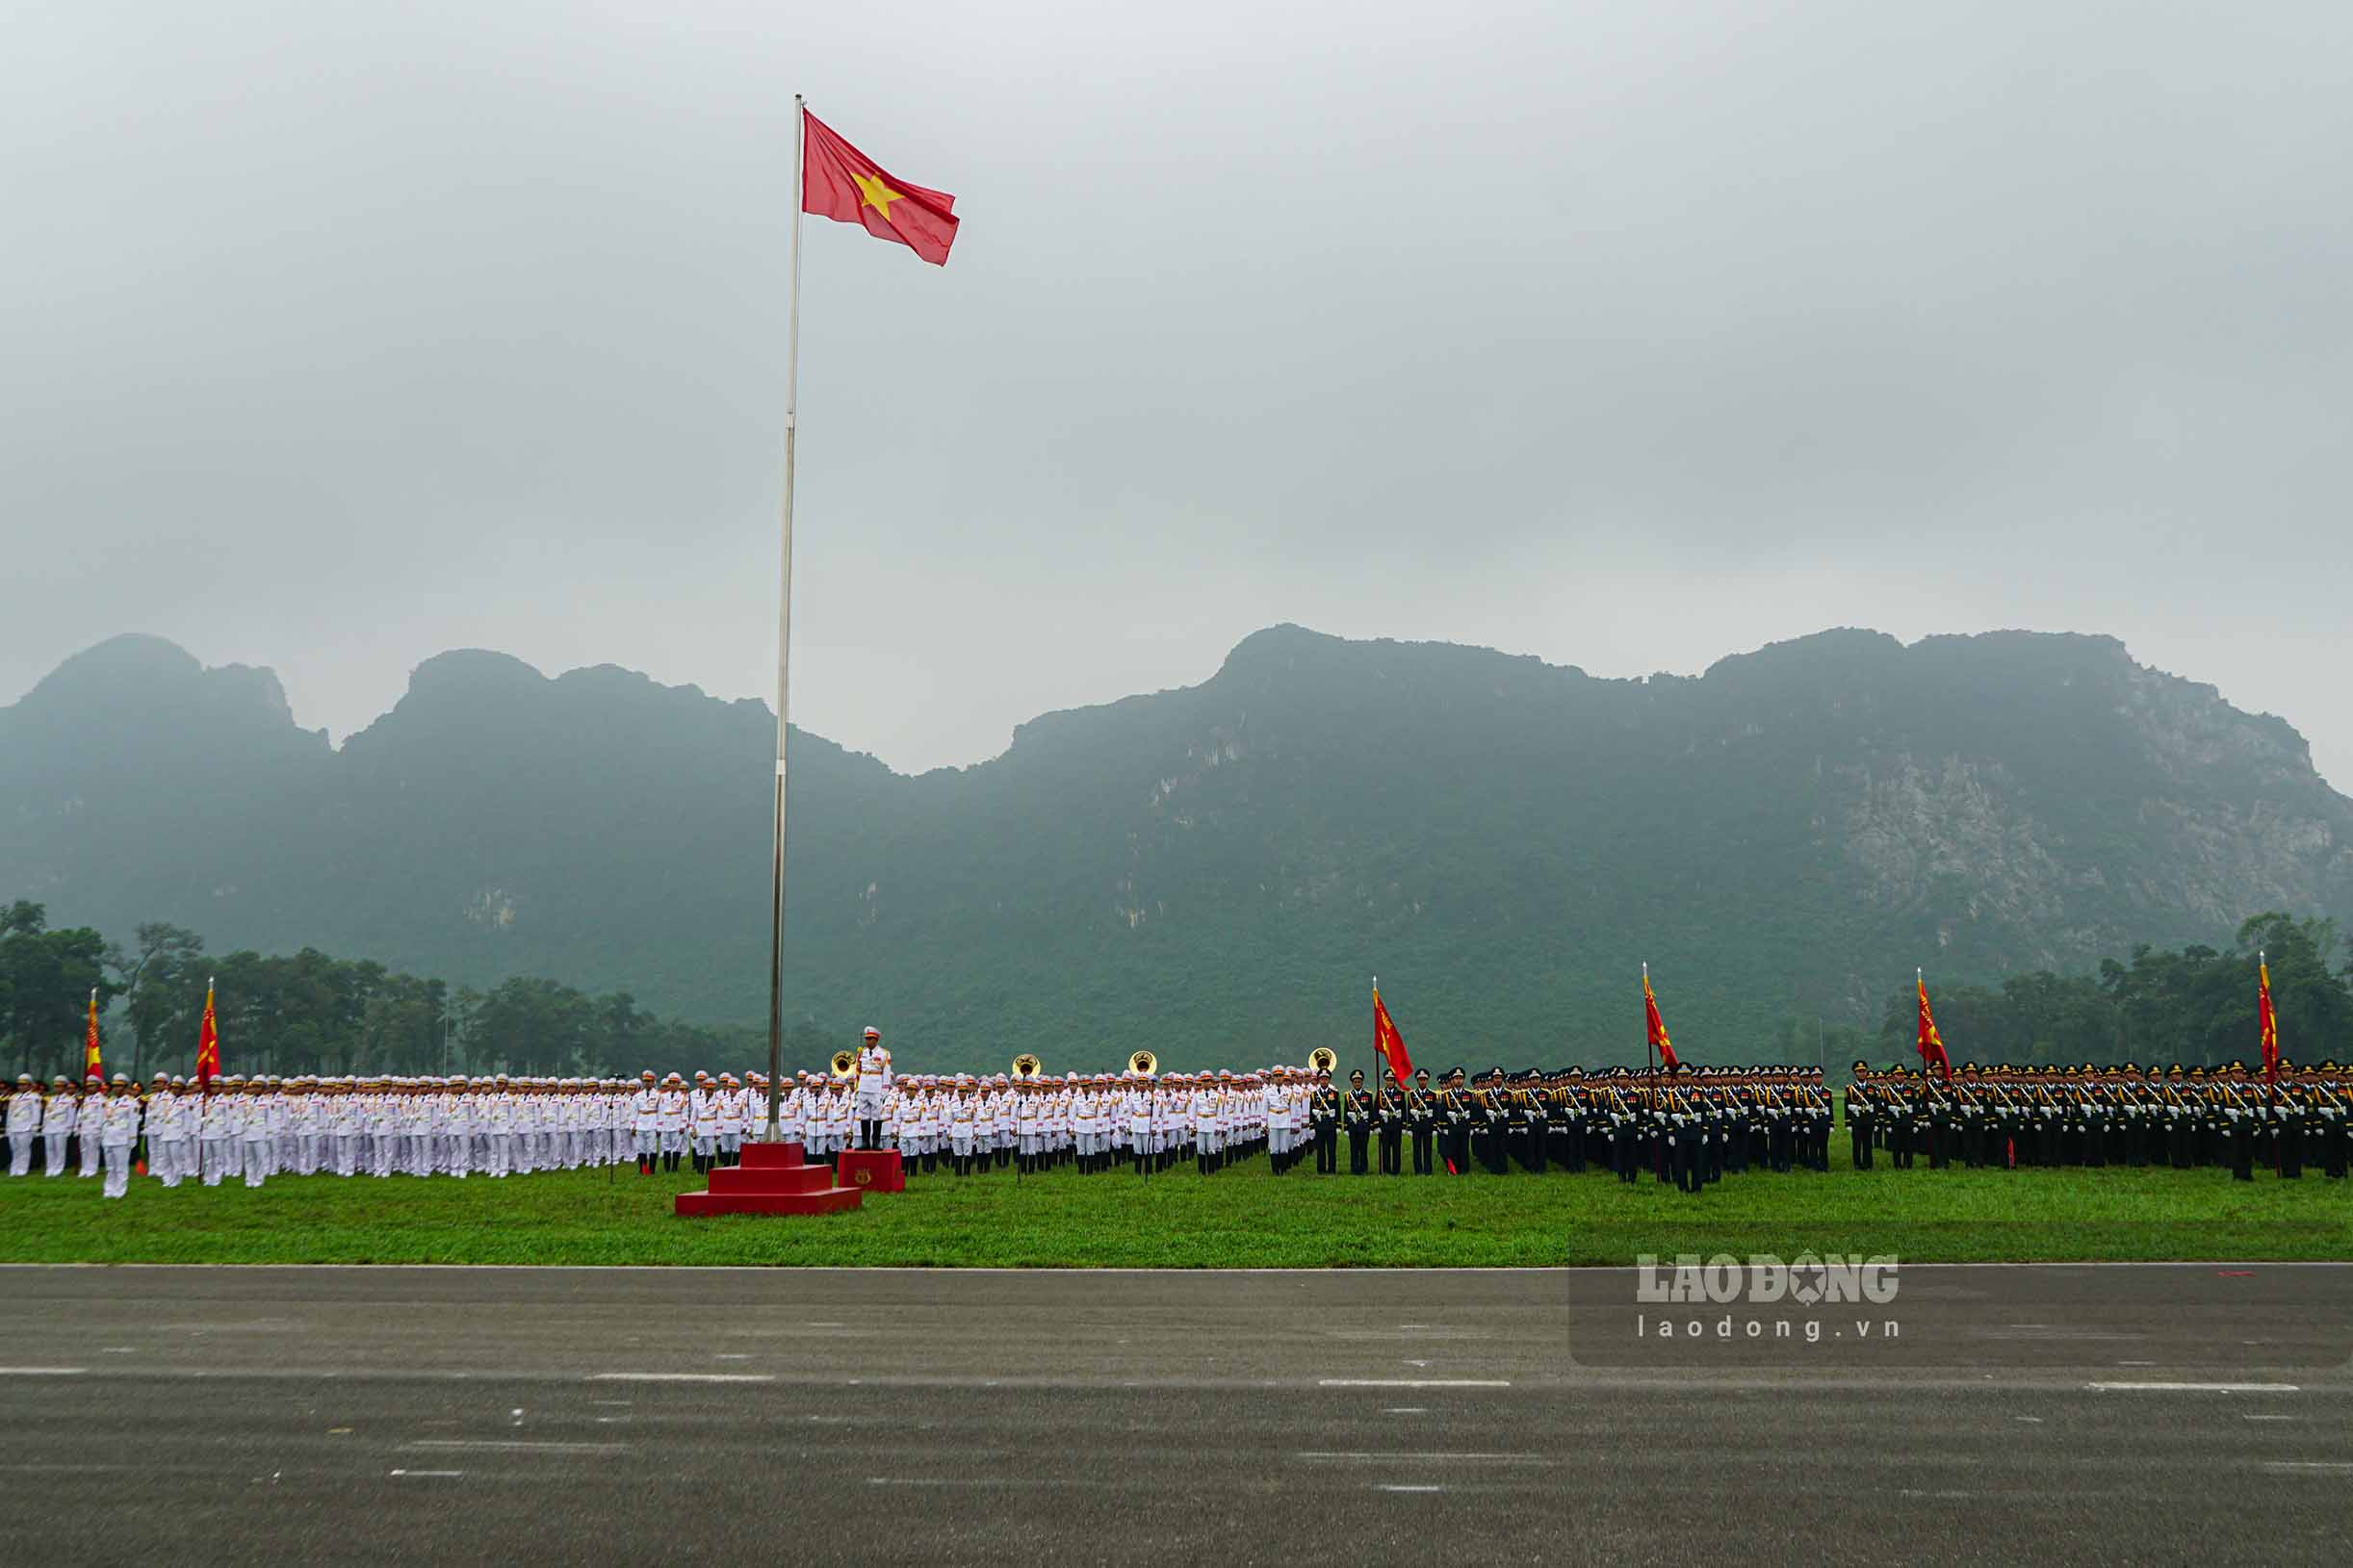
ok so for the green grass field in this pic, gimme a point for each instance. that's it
(1242, 1218)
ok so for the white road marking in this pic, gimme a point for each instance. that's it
(1914, 1491)
(1424, 1459)
(1413, 1382)
(2193, 1388)
(2271, 1418)
(1391, 1486)
(681, 1377)
(2326, 1466)
(2137, 1363)
(2032, 1421)
(1407, 1410)
(42, 1372)
(419, 1473)
(496, 1445)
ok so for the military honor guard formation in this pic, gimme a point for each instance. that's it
(1685, 1125)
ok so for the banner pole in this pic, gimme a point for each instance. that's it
(784, 642)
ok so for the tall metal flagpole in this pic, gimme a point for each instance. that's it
(783, 647)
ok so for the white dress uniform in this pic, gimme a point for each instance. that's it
(24, 1114)
(341, 1121)
(170, 1119)
(670, 1120)
(216, 1133)
(91, 1092)
(57, 1119)
(255, 1135)
(118, 1130)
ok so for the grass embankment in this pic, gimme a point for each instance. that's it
(1241, 1218)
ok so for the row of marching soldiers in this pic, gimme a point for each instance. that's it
(2009, 1118)
(1689, 1127)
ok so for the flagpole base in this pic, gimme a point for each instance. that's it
(772, 1179)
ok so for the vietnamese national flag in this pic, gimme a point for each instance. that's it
(840, 182)
(2267, 1022)
(89, 1043)
(1931, 1043)
(208, 1042)
(1389, 1042)
(1654, 1027)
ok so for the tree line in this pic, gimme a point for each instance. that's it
(308, 1011)
(2195, 1006)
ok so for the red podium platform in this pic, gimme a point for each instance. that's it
(771, 1180)
(871, 1169)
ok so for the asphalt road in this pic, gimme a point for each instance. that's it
(2059, 1415)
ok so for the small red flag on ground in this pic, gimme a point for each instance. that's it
(2267, 1022)
(840, 182)
(1654, 1027)
(1931, 1043)
(208, 1042)
(89, 1046)
(1389, 1042)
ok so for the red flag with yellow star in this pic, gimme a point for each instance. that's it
(90, 1043)
(840, 182)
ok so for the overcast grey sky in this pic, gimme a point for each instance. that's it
(1627, 334)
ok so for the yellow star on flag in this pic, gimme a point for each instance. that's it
(872, 192)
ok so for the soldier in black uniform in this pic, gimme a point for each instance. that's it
(2329, 1123)
(1859, 1116)
(1357, 1116)
(1535, 1122)
(1389, 1120)
(1324, 1125)
(1455, 1117)
(1422, 1121)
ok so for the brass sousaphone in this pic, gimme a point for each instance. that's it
(1144, 1063)
(1026, 1067)
(1323, 1058)
(846, 1063)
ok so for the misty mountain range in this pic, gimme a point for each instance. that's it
(1216, 871)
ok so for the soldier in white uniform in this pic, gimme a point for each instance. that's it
(873, 1087)
(94, 1090)
(116, 1132)
(341, 1127)
(255, 1134)
(216, 1131)
(60, 1114)
(171, 1120)
(670, 1120)
(24, 1114)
